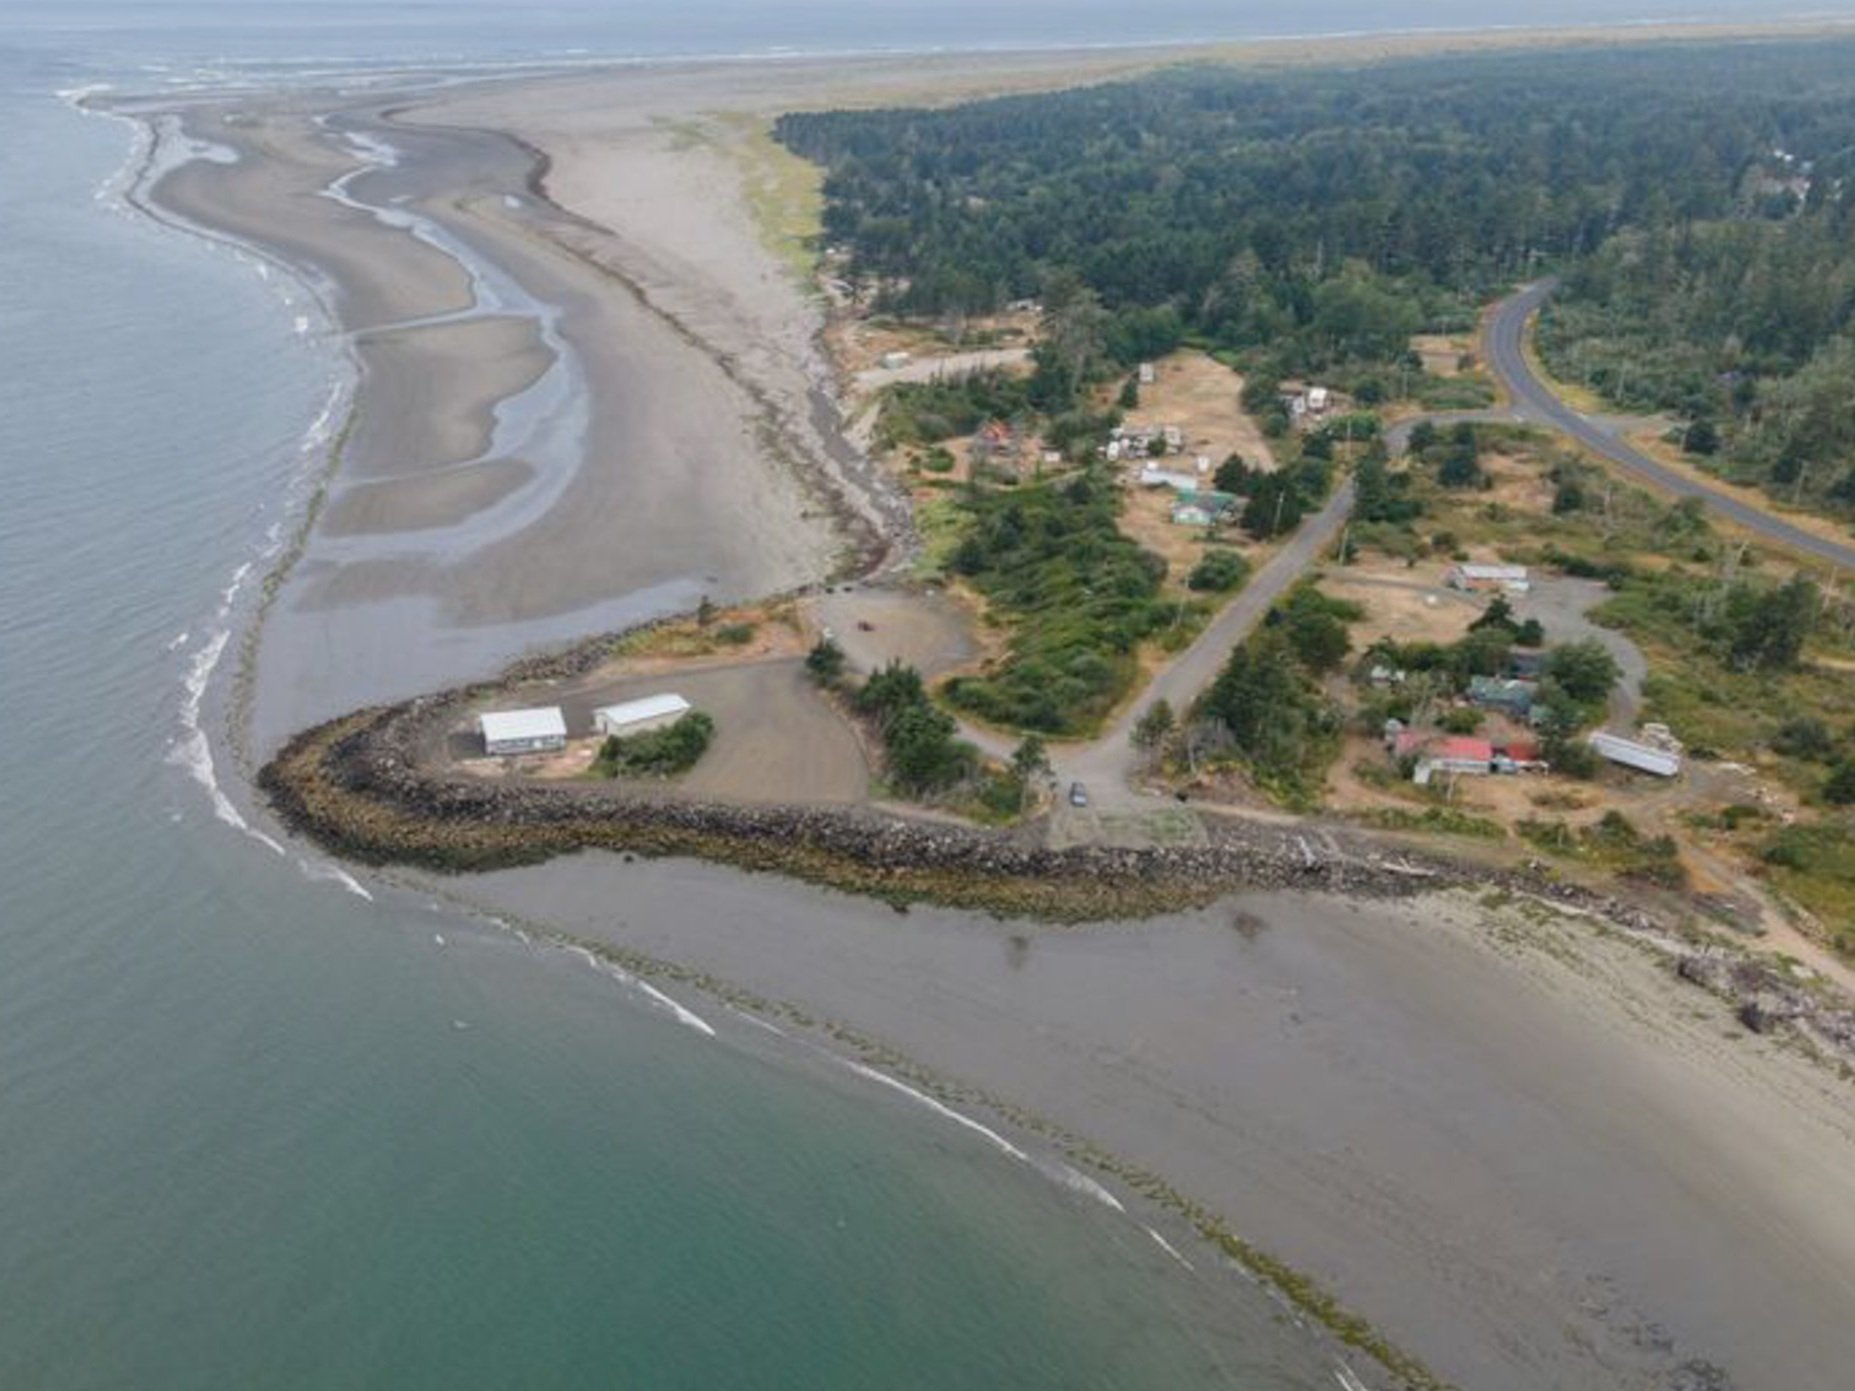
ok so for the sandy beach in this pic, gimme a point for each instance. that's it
(590, 392)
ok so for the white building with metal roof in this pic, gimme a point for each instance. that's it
(540, 730)
(638, 716)
(1632, 754)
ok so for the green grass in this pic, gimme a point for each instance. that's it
(1446, 821)
(1815, 867)
(1613, 845)
(942, 524)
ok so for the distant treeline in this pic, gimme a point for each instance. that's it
(1694, 196)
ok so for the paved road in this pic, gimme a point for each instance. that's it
(1534, 401)
(1106, 764)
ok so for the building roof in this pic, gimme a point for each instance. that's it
(1208, 497)
(647, 708)
(1636, 755)
(1443, 746)
(1464, 748)
(1502, 688)
(1471, 571)
(1154, 477)
(543, 722)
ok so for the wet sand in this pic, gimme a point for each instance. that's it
(437, 389)
(439, 499)
(275, 194)
(648, 474)
(1518, 1145)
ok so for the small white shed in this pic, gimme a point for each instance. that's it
(638, 716)
(541, 730)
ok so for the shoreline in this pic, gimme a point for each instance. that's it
(915, 1031)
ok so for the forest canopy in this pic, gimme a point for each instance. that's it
(1693, 197)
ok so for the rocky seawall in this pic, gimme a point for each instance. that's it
(366, 788)
(359, 788)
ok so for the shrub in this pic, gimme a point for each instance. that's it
(1462, 719)
(825, 662)
(1219, 571)
(658, 752)
(1804, 736)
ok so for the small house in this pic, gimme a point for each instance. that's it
(1198, 507)
(1437, 753)
(1319, 399)
(640, 716)
(1510, 697)
(1193, 514)
(505, 732)
(1510, 579)
(1146, 374)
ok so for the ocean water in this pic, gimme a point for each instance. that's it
(261, 1127)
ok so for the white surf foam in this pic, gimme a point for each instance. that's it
(1171, 1250)
(683, 1015)
(1082, 1183)
(757, 1021)
(323, 872)
(939, 1108)
(190, 749)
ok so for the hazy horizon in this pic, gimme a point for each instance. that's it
(477, 28)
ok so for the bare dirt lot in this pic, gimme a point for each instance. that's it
(1201, 396)
(1442, 353)
(1401, 602)
(929, 632)
(776, 738)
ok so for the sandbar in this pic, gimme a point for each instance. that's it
(437, 388)
(440, 498)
